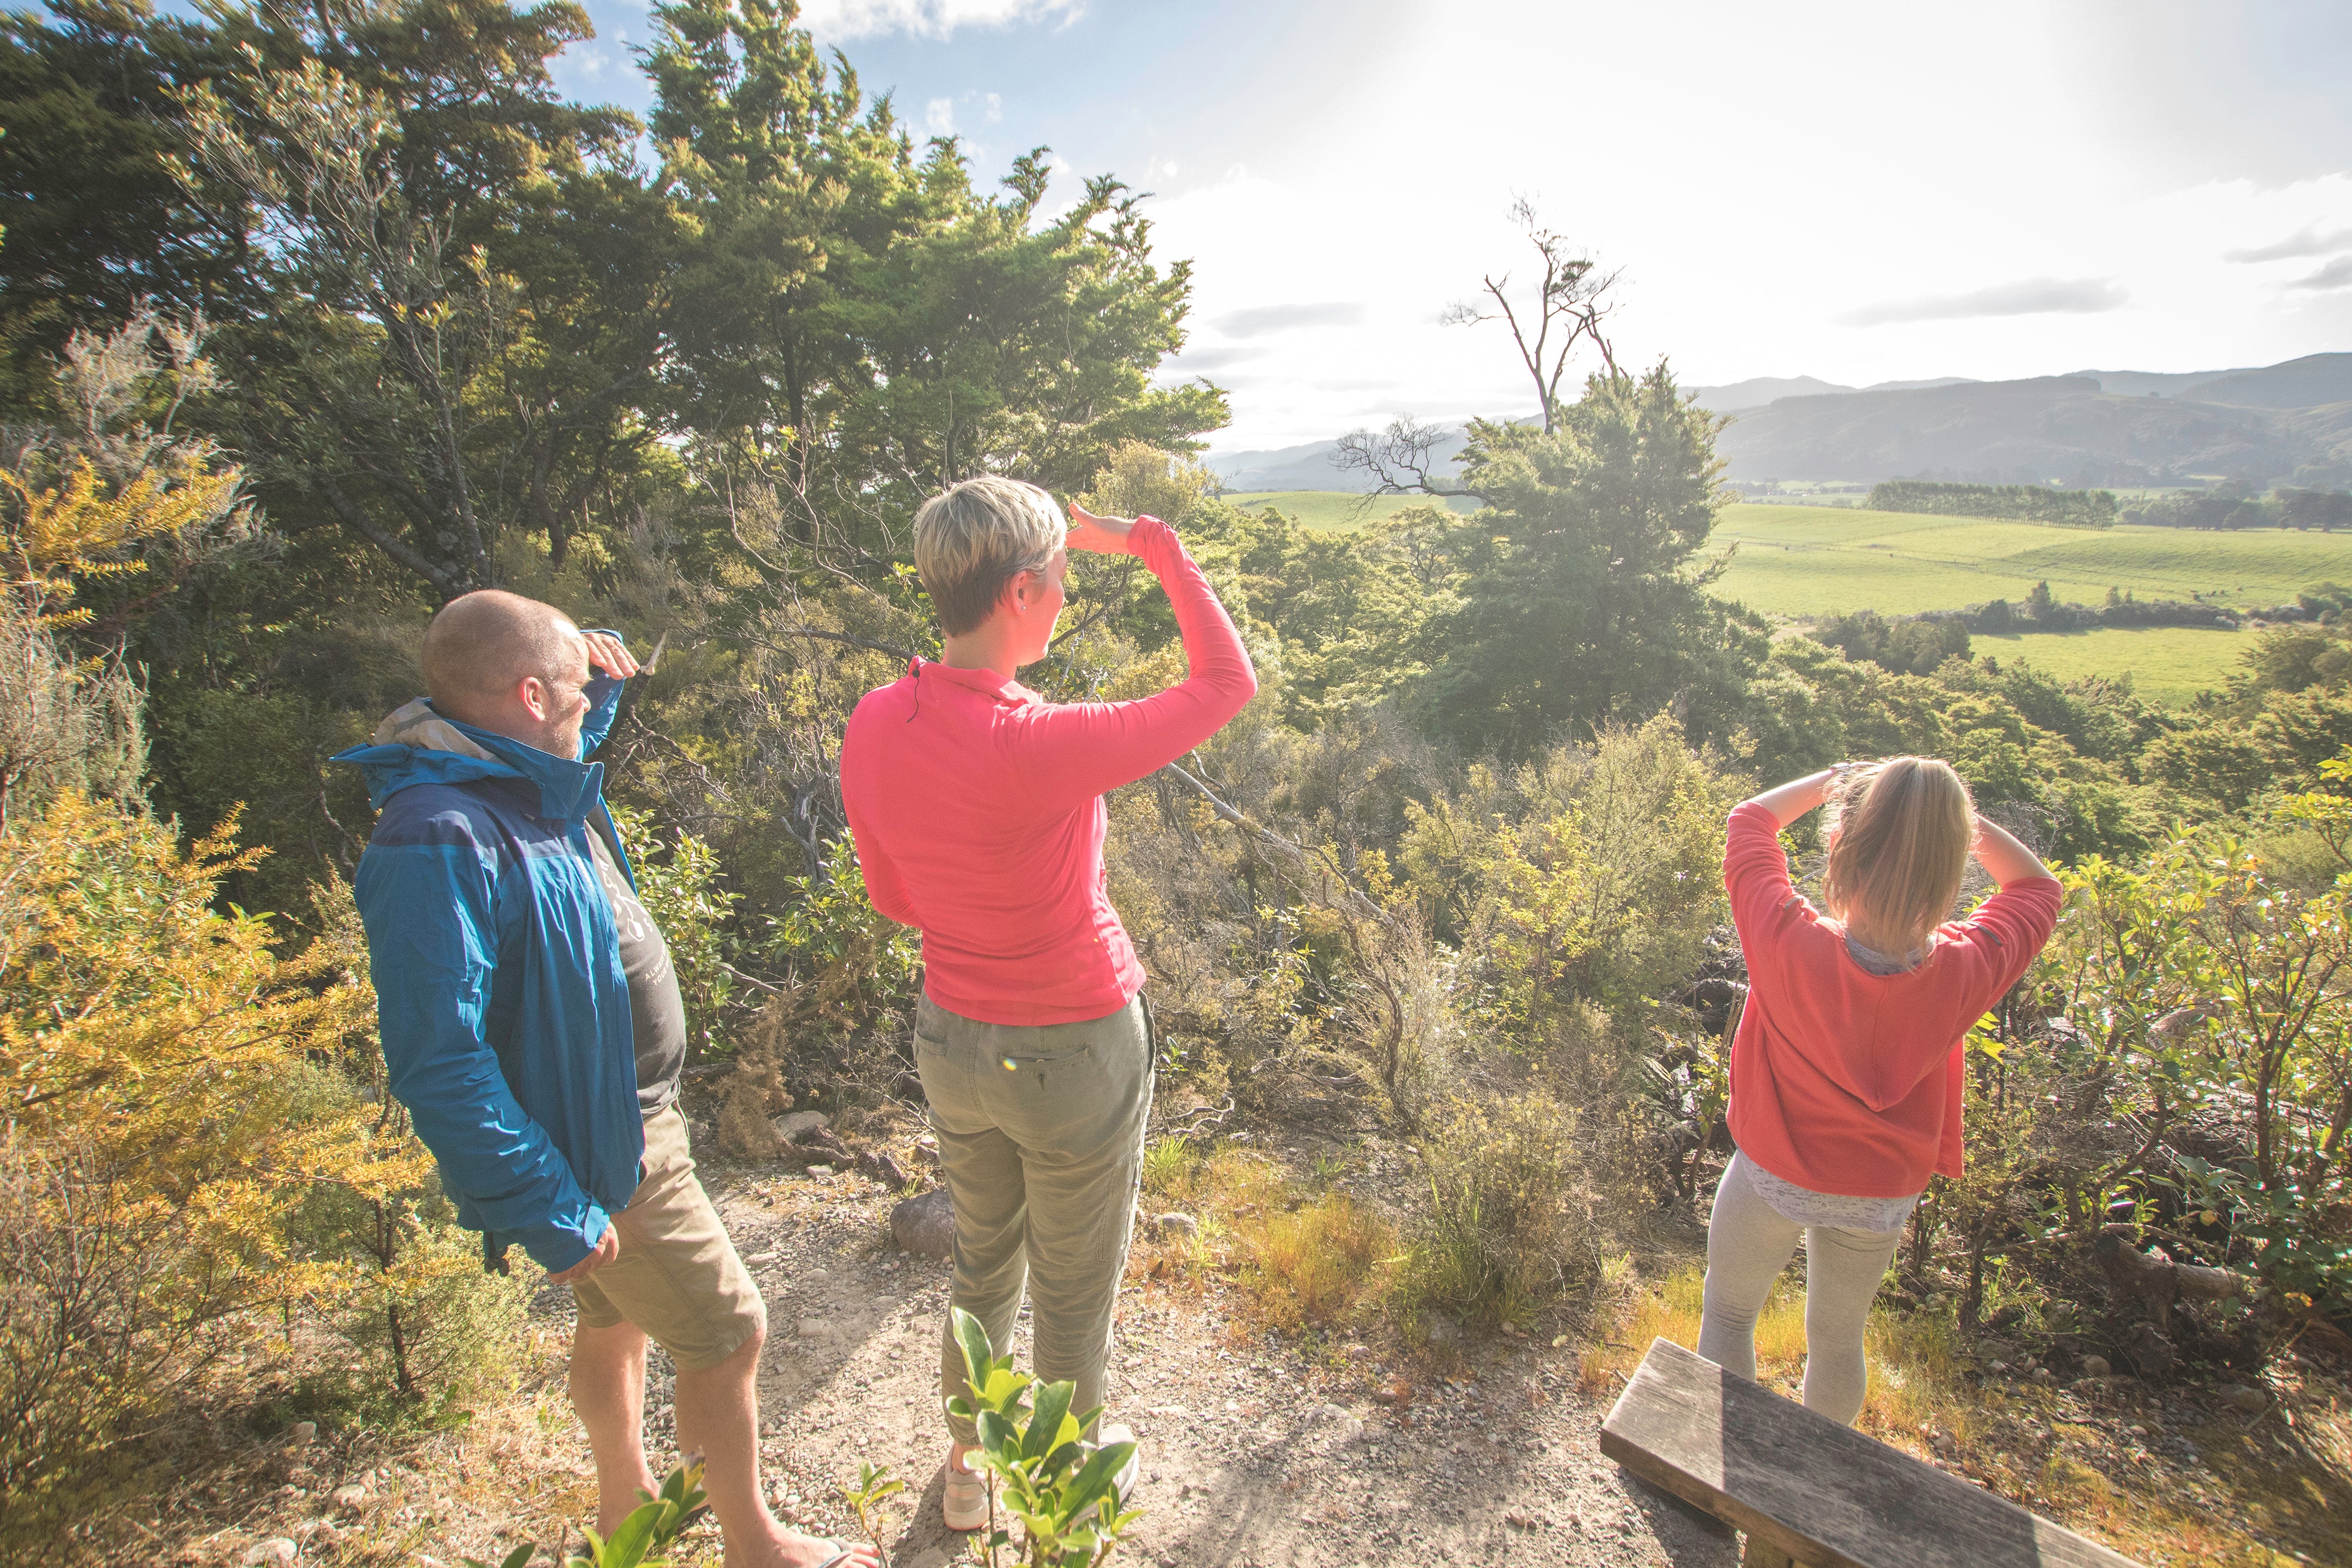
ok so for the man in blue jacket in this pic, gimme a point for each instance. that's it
(532, 1026)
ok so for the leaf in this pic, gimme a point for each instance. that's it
(1045, 1425)
(978, 1356)
(1098, 1475)
(997, 1433)
(635, 1538)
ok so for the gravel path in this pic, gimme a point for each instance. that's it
(1251, 1455)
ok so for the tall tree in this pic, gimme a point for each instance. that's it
(1584, 597)
(95, 223)
(465, 281)
(863, 327)
(1569, 301)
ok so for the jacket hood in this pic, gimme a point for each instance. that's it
(415, 745)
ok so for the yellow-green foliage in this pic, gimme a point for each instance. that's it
(89, 497)
(81, 527)
(2203, 983)
(1320, 1263)
(137, 1016)
(190, 1117)
(1595, 874)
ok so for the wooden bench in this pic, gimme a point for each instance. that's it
(1808, 1490)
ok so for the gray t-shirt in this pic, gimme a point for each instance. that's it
(656, 1008)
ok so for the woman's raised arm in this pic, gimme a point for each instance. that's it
(1069, 753)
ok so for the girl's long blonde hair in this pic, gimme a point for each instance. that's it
(1903, 828)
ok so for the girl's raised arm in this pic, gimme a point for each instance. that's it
(2004, 857)
(1798, 796)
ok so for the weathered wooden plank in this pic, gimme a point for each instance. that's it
(1802, 1484)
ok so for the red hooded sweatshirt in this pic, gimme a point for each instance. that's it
(977, 809)
(1845, 1082)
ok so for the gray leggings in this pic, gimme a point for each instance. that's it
(1748, 1242)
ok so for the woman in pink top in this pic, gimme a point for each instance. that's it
(977, 810)
(1845, 1071)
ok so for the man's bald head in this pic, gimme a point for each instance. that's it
(484, 644)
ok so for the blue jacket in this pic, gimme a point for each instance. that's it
(499, 993)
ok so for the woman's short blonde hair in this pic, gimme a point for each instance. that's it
(1903, 830)
(972, 538)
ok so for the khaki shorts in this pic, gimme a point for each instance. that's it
(678, 1277)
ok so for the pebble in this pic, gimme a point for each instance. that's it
(276, 1549)
(1173, 1224)
(301, 1434)
(352, 1498)
(2096, 1366)
(810, 1328)
(820, 1171)
(790, 1127)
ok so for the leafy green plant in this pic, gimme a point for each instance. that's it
(875, 1482)
(677, 881)
(838, 960)
(1061, 1489)
(652, 1527)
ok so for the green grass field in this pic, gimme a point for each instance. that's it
(1331, 508)
(1803, 561)
(2167, 664)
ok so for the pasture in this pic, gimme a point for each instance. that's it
(1336, 510)
(1804, 561)
(2167, 664)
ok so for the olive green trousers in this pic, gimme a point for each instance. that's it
(1041, 1141)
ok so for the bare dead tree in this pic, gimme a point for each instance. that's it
(1569, 306)
(1572, 301)
(1399, 458)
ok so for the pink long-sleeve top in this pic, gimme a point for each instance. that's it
(1843, 1081)
(976, 807)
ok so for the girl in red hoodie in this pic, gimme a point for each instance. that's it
(1845, 1070)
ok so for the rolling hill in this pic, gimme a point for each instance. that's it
(2288, 422)
(2283, 424)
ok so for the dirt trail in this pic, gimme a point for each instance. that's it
(1251, 1456)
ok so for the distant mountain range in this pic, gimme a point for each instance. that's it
(2283, 424)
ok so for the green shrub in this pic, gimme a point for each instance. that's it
(1510, 1222)
(677, 881)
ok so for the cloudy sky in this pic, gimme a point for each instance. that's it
(1855, 192)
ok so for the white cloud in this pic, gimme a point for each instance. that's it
(995, 111)
(1260, 319)
(2336, 273)
(2026, 297)
(835, 20)
(2309, 242)
(939, 116)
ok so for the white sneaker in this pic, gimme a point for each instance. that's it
(964, 1501)
(1121, 1433)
